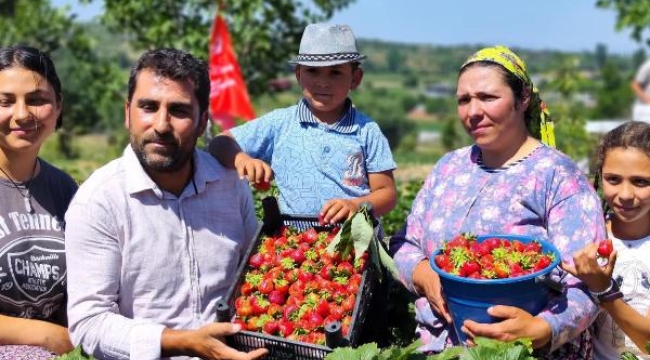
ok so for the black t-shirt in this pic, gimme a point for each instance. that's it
(32, 258)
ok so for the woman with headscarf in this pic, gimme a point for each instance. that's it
(34, 196)
(510, 181)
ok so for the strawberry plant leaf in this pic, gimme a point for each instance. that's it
(342, 242)
(368, 351)
(362, 232)
(452, 353)
(520, 349)
(76, 354)
(388, 262)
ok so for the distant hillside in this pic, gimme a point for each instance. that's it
(435, 63)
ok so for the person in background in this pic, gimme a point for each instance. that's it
(641, 87)
(507, 182)
(34, 196)
(622, 285)
(154, 238)
(327, 156)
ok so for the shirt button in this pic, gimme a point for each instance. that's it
(326, 149)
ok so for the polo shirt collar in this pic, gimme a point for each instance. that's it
(345, 124)
(137, 180)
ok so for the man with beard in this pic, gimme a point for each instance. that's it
(154, 238)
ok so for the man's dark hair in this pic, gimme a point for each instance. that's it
(175, 65)
(34, 60)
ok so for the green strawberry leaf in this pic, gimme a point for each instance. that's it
(388, 262)
(368, 351)
(76, 354)
(342, 242)
(361, 231)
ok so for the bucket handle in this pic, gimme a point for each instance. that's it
(552, 284)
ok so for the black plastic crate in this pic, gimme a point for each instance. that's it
(279, 347)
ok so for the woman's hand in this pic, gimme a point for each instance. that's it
(427, 283)
(516, 324)
(586, 268)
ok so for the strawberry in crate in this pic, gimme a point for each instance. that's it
(297, 282)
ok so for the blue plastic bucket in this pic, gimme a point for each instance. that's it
(470, 298)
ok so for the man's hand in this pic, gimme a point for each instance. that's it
(206, 342)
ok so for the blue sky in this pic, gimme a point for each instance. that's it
(568, 25)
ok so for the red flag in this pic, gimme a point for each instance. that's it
(228, 95)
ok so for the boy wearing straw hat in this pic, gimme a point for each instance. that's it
(327, 156)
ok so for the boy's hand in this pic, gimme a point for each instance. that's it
(337, 210)
(256, 170)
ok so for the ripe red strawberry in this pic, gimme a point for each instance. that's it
(348, 303)
(247, 288)
(533, 246)
(262, 186)
(271, 327)
(345, 269)
(277, 297)
(542, 263)
(310, 235)
(244, 309)
(253, 324)
(442, 260)
(298, 256)
(266, 286)
(291, 312)
(605, 248)
(285, 328)
(469, 267)
(256, 260)
(274, 311)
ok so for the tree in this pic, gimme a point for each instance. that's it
(85, 77)
(633, 14)
(614, 96)
(265, 33)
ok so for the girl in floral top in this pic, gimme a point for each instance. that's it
(507, 182)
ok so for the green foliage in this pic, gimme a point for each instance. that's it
(395, 219)
(76, 354)
(386, 107)
(613, 95)
(632, 14)
(628, 356)
(570, 133)
(89, 82)
(36, 23)
(484, 349)
(265, 34)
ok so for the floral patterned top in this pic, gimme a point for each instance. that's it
(544, 196)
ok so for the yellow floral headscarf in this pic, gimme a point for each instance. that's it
(541, 125)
